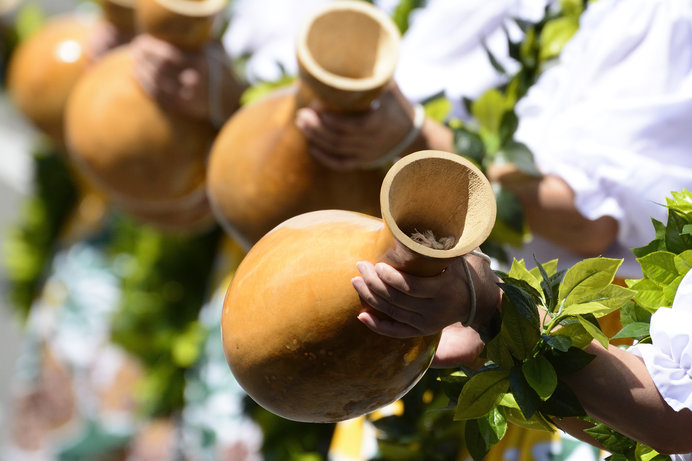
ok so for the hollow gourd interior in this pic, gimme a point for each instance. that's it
(418, 192)
(337, 51)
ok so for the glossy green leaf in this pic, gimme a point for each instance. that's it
(594, 331)
(633, 330)
(498, 351)
(525, 396)
(680, 200)
(523, 300)
(519, 271)
(586, 279)
(540, 375)
(558, 341)
(536, 422)
(493, 426)
(611, 439)
(683, 262)
(549, 267)
(572, 328)
(650, 295)
(519, 334)
(596, 308)
(659, 267)
(481, 393)
(676, 240)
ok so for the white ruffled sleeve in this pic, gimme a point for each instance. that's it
(612, 118)
(669, 357)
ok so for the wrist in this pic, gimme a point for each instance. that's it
(403, 146)
(484, 294)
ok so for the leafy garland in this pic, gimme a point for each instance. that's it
(519, 382)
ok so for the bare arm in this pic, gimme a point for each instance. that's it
(616, 389)
(550, 211)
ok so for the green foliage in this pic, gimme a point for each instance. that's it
(164, 283)
(664, 262)
(520, 381)
(31, 243)
(548, 317)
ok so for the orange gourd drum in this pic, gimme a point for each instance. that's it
(260, 170)
(44, 69)
(46, 66)
(289, 326)
(149, 161)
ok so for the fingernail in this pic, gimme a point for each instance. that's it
(361, 266)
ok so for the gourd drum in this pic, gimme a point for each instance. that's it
(260, 170)
(46, 66)
(289, 326)
(149, 161)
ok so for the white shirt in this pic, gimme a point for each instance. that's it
(613, 118)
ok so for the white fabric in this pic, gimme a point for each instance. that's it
(613, 118)
(442, 50)
(669, 357)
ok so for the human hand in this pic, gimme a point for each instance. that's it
(459, 345)
(419, 306)
(345, 142)
(199, 84)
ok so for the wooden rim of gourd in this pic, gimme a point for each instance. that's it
(442, 192)
(387, 48)
(194, 8)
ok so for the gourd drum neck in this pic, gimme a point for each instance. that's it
(344, 70)
(187, 24)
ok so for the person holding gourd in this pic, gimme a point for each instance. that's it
(607, 126)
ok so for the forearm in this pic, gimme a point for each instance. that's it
(549, 208)
(616, 389)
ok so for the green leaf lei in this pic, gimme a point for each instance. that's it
(548, 318)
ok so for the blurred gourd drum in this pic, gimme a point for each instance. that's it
(149, 161)
(46, 66)
(289, 325)
(260, 170)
